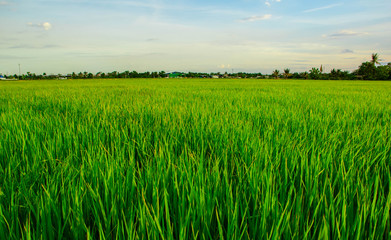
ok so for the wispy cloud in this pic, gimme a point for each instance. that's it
(8, 57)
(269, 2)
(323, 8)
(347, 51)
(144, 4)
(256, 18)
(168, 6)
(29, 46)
(347, 33)
(152, 39)
(46, 25)
(4, 3)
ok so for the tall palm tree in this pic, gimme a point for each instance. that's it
(275, 73)
(286, 73)
(375, 59)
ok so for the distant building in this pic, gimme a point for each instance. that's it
(174, 75)
(2, 77)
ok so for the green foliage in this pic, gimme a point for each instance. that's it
(383, 73)
(195, 159)
(339, 75)
(375, 59)
(367, 70)
(276, 73)
(287, 73)
(315, 73)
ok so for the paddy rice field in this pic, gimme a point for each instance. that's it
(195, 159)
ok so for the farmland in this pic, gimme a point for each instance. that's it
(195, 158)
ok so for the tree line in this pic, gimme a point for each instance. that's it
(370, 70)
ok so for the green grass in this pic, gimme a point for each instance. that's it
(195, 159)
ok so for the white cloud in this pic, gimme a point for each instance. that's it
(323, 8)
(347, 33)
(3, 3)
(256, 18)
(267, 3)
(46, 25)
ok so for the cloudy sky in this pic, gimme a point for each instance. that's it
(61, 36)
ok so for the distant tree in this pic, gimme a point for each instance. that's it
(304, 75)
(133, 74)
(154, 75)
(239, 75)
(287, 73)
(367, 71)
(113, 74)
(276, 73)
(383, 73)
(147, 74)
(347, 75)
(335, 74)
(315, 73)
(296, 75)
(375, 59)
(162, 74)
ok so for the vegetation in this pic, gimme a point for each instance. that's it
(276, 73)
(287, 73)
(195, 158)
(367, 71)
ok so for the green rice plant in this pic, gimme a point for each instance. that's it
(195, 159)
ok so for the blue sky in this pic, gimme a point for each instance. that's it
(61, 36)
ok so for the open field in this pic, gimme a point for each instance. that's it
(194, 158)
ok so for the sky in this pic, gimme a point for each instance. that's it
(64, 36)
